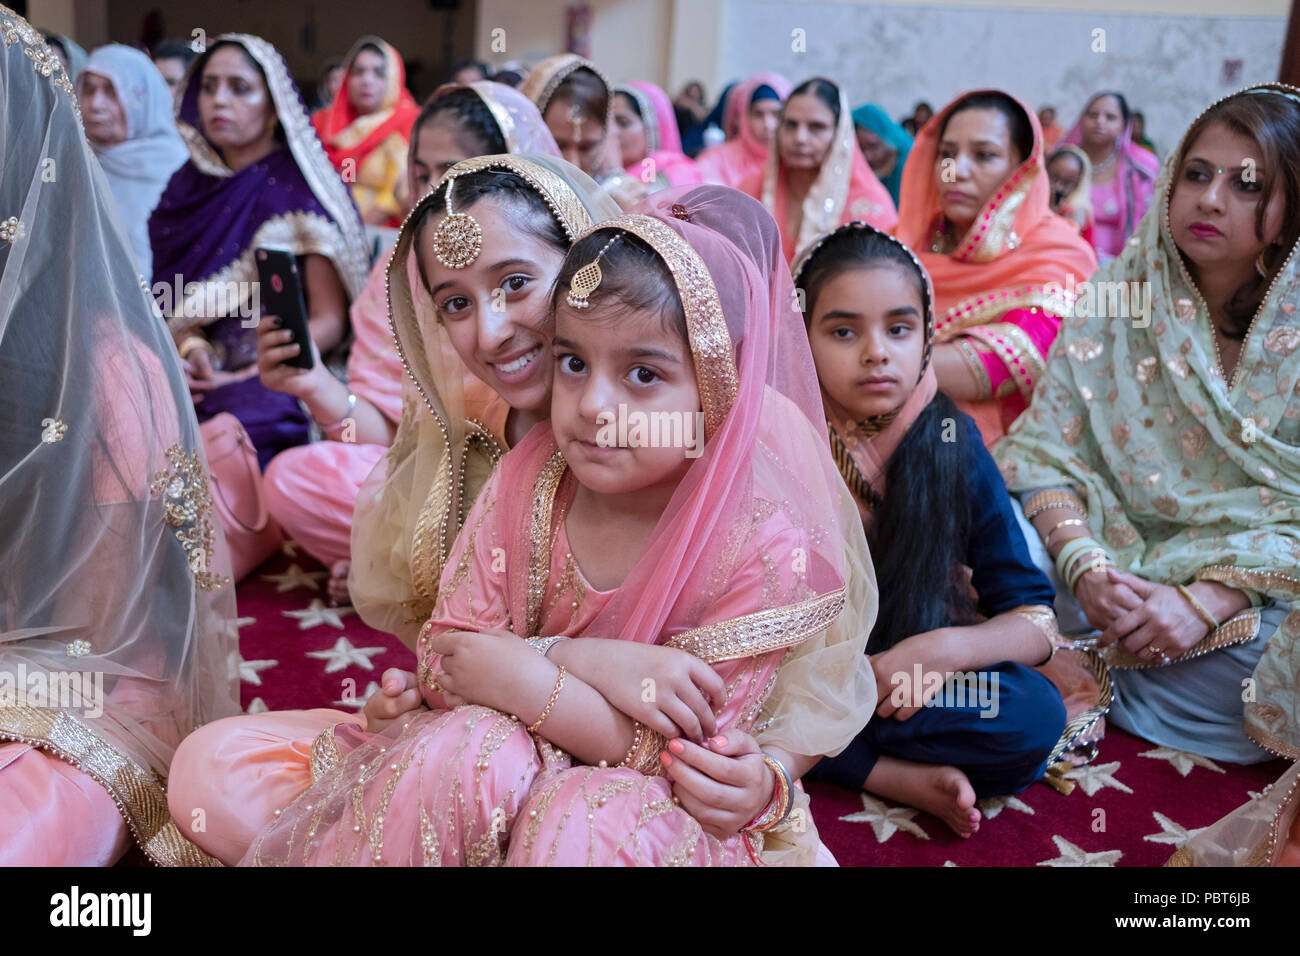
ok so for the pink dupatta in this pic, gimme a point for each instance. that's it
(732, 162)
(664, 159)
(845, 190)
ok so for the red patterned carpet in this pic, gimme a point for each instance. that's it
(1133, 806)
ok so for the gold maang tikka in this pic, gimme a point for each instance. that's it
(587, 279)
(458, 238)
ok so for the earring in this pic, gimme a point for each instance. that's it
(1260, 267)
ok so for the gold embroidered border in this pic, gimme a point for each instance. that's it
(1084, 722)
(1238, 629)
(1267, 580)
(706, 326)
(753, 634)
(135, 789)
(13, 29)
(990, 305)
(301, 233)
(539, 533)
(324, 753)
(1008, 342)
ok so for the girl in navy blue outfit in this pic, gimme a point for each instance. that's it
(965, 616)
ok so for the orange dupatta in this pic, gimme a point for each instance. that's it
(1017, 255)
(346, 135)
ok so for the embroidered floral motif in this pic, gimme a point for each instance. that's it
(187, 506)
(77, 648)
(14, 29)
(11, 230)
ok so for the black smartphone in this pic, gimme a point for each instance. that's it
(281, 295)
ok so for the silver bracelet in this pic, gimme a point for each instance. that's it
(352, 404)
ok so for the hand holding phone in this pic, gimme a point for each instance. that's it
(281, 296)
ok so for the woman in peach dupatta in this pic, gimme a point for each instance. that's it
(311, 490)
(750, 119)
(816, 177)
(975, 209)
(747, 557)
(367, 127)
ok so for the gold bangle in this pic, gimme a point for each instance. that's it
(1205, 615)
(970, 355)
(778, 808)
(559, 682)
(1041, 501)
(192, 342)
(638, 731)
(1043, 618)
(1068, 522)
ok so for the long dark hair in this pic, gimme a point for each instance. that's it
(920, 527)
(1273, 122)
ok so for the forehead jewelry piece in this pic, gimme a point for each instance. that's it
(587, 279)
(458, 238)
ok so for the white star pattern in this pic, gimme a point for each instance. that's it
(886, 821)
(247, 670)
(256, 706)
(343, 654)
(294, 577)
(992, 806)
(356, 703)
(289, 548)
(1072, 855)
(1170, 832)
(316, 614)
(1181, 760)
(231, 627)
(1093, 777)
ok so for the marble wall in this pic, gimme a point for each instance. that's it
(1171, 67)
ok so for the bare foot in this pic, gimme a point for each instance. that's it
(944, 792)
(337, 588)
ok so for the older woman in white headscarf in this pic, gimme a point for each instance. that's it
(127, 112)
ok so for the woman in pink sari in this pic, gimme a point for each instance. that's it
(816, 177)
(735, 541)
(1123, 173)
(311, 490)
(750, 120)
(649, 141)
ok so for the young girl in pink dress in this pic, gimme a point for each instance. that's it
(682, 497)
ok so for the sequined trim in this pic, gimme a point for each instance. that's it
(1051, 298)
(1238, 629)
(1084, 722)
(1016, 350)
(1266, 580)
(990, 235)
(136, 789)
(187, 507)
(753, 634)
(324, 753)
(541, 537)
(14, 29)
(711, 346)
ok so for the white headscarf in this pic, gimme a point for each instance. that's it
(139, 167)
